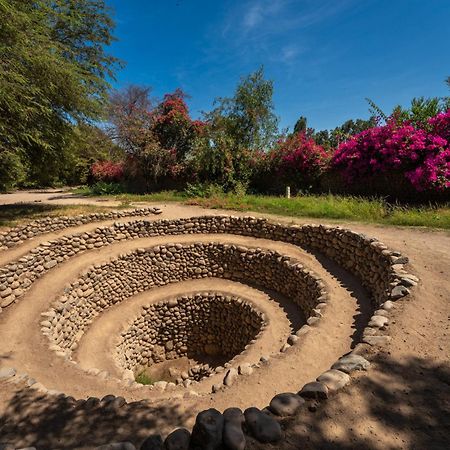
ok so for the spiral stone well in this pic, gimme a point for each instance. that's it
(209, 328)
(223, 339)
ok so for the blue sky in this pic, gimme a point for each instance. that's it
(324, 56)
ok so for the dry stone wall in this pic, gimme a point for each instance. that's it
(17, 235)
(113, 282)
(207, 323)
(379, 269)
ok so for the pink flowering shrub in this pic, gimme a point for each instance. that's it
(422, 157)
(440, 125)
(107, 171)
(299, 160)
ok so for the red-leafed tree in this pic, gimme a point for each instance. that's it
(156, 138)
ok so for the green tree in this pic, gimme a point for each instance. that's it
(53, 75)
(236, 129)
(248, 117)
(301, 125)
(88, 144)
(418, 113)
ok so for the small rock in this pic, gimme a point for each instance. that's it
(160, 385)
(230, 377)
(153, 442)
(387, 305)
(233, 436)
(91, 402)
(286, 404)
(115, 404)
(117, 446)
(303, 330)
(261, 426)
(285, 347)
(314, 390)
(178, 440)
(207, 431)
(245, 369)
(350, 363)
(5, 292)
(408, 282)
(378, 321)
(7, 372)
(50, 264)
(376, 340)
(313, 321)
(334, 379)
(7, 301)
(399, 292)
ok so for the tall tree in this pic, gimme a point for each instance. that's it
(53, 74)
(249, 115)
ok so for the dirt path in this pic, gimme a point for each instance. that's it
(402, 403)
(53, 197)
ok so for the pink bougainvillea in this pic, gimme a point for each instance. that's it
(422, 157)
(440, 125)
(299, 159)
(107, 171)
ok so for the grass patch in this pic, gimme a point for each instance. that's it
(334, 207)
(17, 214)
(163, 196)
(330, 207)
(143, 378)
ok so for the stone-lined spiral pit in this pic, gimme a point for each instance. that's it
(206, 329)
(109, 284)
(197, 327)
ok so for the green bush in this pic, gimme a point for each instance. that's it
(202, 190)
(105, 188)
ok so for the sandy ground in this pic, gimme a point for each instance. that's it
(403, 402)
(53, 197)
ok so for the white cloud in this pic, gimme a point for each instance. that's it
(253, 16)
(289, 53)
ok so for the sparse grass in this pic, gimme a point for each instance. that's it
(330, 207)
(16, 214)
(145, 379)
(163, 196)
(333, 207)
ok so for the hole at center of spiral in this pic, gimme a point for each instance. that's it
(188, 337)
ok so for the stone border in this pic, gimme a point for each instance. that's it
(18, 235)
(379, 269)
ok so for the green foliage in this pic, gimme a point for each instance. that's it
(155, 139)
(11, 170)
(105, 188)
(217, 158)
(418, 113)
(331, 139)
(301, 125)
(333, 207)
(52, 75)
(248, 116)
(88, 144)
(236, 129)
(143, 378)
(203, 190)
